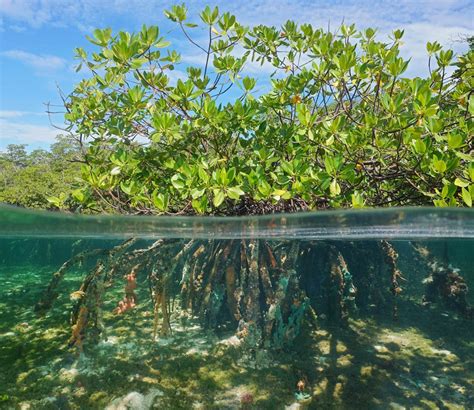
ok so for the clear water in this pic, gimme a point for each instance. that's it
(343, 310)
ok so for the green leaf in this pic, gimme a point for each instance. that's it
(454, 141)
(178, 13)
(235, 192)
(264, 188)
(78, 195)
(231, 175)
(197, 193)
(115, 171)
(54, 200)
(281, 194)
(461, 183)
(329, 141)
(445, 191)
(471, 105)
(464, 156)
(249, 83)
(177, 182)
(439, 166)
(200, 205)
(203, 175)
(138, 62)
(466, 196)
(162, 44)
(471, 171)
(160, 200)
(209, 17)
(129, 188)
(440, 203)
(219, 197)
(357, 200)
(420, 146)
(287, 167)
(334, 188)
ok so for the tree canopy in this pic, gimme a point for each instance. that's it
(334, 124)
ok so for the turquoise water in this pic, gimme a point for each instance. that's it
(367, 309)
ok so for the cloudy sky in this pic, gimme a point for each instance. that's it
(37, 39)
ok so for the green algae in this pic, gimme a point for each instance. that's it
(367, 361)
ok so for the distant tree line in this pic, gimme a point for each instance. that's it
(29, 178)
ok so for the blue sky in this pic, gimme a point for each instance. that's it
(37, 39)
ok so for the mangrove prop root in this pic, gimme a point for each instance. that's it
(262, 290)
(348, 290)
(215, 285)
(231, 288)
(391, 257)
(252, 313)
(87, 319)
(340, 288)
(335, 289)
(285, 314)
(444, 283)
(96, 278)
(160, 304)
(78, 328)
(51, 294)
(160, 280)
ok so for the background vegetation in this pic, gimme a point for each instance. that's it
(29, 179)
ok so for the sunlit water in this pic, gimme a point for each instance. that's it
(368, 309)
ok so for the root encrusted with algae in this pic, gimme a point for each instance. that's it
(391, 257)
(445, 284)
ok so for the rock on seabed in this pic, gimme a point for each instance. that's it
(135, 401)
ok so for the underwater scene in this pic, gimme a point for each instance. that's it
(327, 310)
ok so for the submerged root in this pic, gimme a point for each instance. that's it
(262, 291)
(161, 304)
(445, 284)
(51, 294)
(391, 257)
(78, 328)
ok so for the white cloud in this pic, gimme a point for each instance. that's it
(12, 114)
(418, 34)
(34, 13)
(175, 75)
(16, 114)
(365, 12)
(194, 59)
(17, 28)
(37, 13)
(41, 62)
(13, 132)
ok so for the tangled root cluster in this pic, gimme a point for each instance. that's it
(261, 290)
